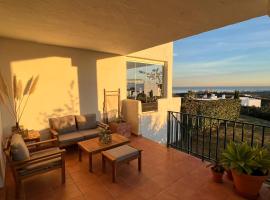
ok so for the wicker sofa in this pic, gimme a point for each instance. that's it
(74, 128)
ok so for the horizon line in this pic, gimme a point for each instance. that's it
(228, 86)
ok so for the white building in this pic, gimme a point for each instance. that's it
(213, 97)
(247, 101)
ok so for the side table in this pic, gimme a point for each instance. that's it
(33, 136)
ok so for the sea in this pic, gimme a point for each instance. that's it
(222, 89)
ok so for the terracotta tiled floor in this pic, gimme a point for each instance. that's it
(167, 174)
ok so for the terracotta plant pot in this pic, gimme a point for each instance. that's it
(229, 175)
(246, 185)
(217, 176)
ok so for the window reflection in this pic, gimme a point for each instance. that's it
(145, 81)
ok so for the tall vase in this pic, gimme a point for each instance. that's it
(17, 128)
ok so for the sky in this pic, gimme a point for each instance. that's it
(235, 55)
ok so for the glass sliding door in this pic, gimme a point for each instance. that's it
(145, 81)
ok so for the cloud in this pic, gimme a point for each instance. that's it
(241, 50)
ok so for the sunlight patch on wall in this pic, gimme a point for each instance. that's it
(57, 92)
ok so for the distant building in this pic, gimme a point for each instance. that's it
(205, 96)
(247, 101)
(213, 96)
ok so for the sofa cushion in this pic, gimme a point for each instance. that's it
(64, 124)
(91, 133)
(70, 138)
(85, 122)
(19, 150)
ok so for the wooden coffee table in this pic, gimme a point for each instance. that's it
(93, 146)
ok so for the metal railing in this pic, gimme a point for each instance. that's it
(206, 137)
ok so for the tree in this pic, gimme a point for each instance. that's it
(236, 94)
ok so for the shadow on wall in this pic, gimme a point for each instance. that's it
(67, 109)
(153, 125)
(112, 108)
(27, 58)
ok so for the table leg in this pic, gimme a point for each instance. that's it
(90, 163)
(113, 171)
(80, 154)
(103, 164)
(140, 162)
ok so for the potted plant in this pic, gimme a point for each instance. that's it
(250, 167)
(105, 136)
(227, 163)
(217, 171)
(16, 99)
(229, 174)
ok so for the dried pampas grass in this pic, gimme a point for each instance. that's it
(19, 92)
(28, 86)
(33, 87)
(15, 86)
(3, 85)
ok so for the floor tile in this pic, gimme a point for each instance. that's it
(167, 174)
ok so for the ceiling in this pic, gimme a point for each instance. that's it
(119, 26)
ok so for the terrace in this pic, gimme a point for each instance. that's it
(81, 50)
(166, 174)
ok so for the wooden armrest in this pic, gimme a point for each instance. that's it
(103, 125)
(42, 142)
(54, 133)
(48, 156)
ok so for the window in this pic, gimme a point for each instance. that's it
(145, 82)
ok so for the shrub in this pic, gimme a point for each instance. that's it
(236, 94)
(228, 109)
(262, 113)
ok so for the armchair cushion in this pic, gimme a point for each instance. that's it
(19, 150)
(40, 166)
(86, 121)
(64, 124)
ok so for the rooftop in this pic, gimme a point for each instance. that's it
(167, 174)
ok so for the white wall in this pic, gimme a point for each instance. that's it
(67, 80)
(153, 125)
(247, 101)
(131, 111)
(71, 80)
